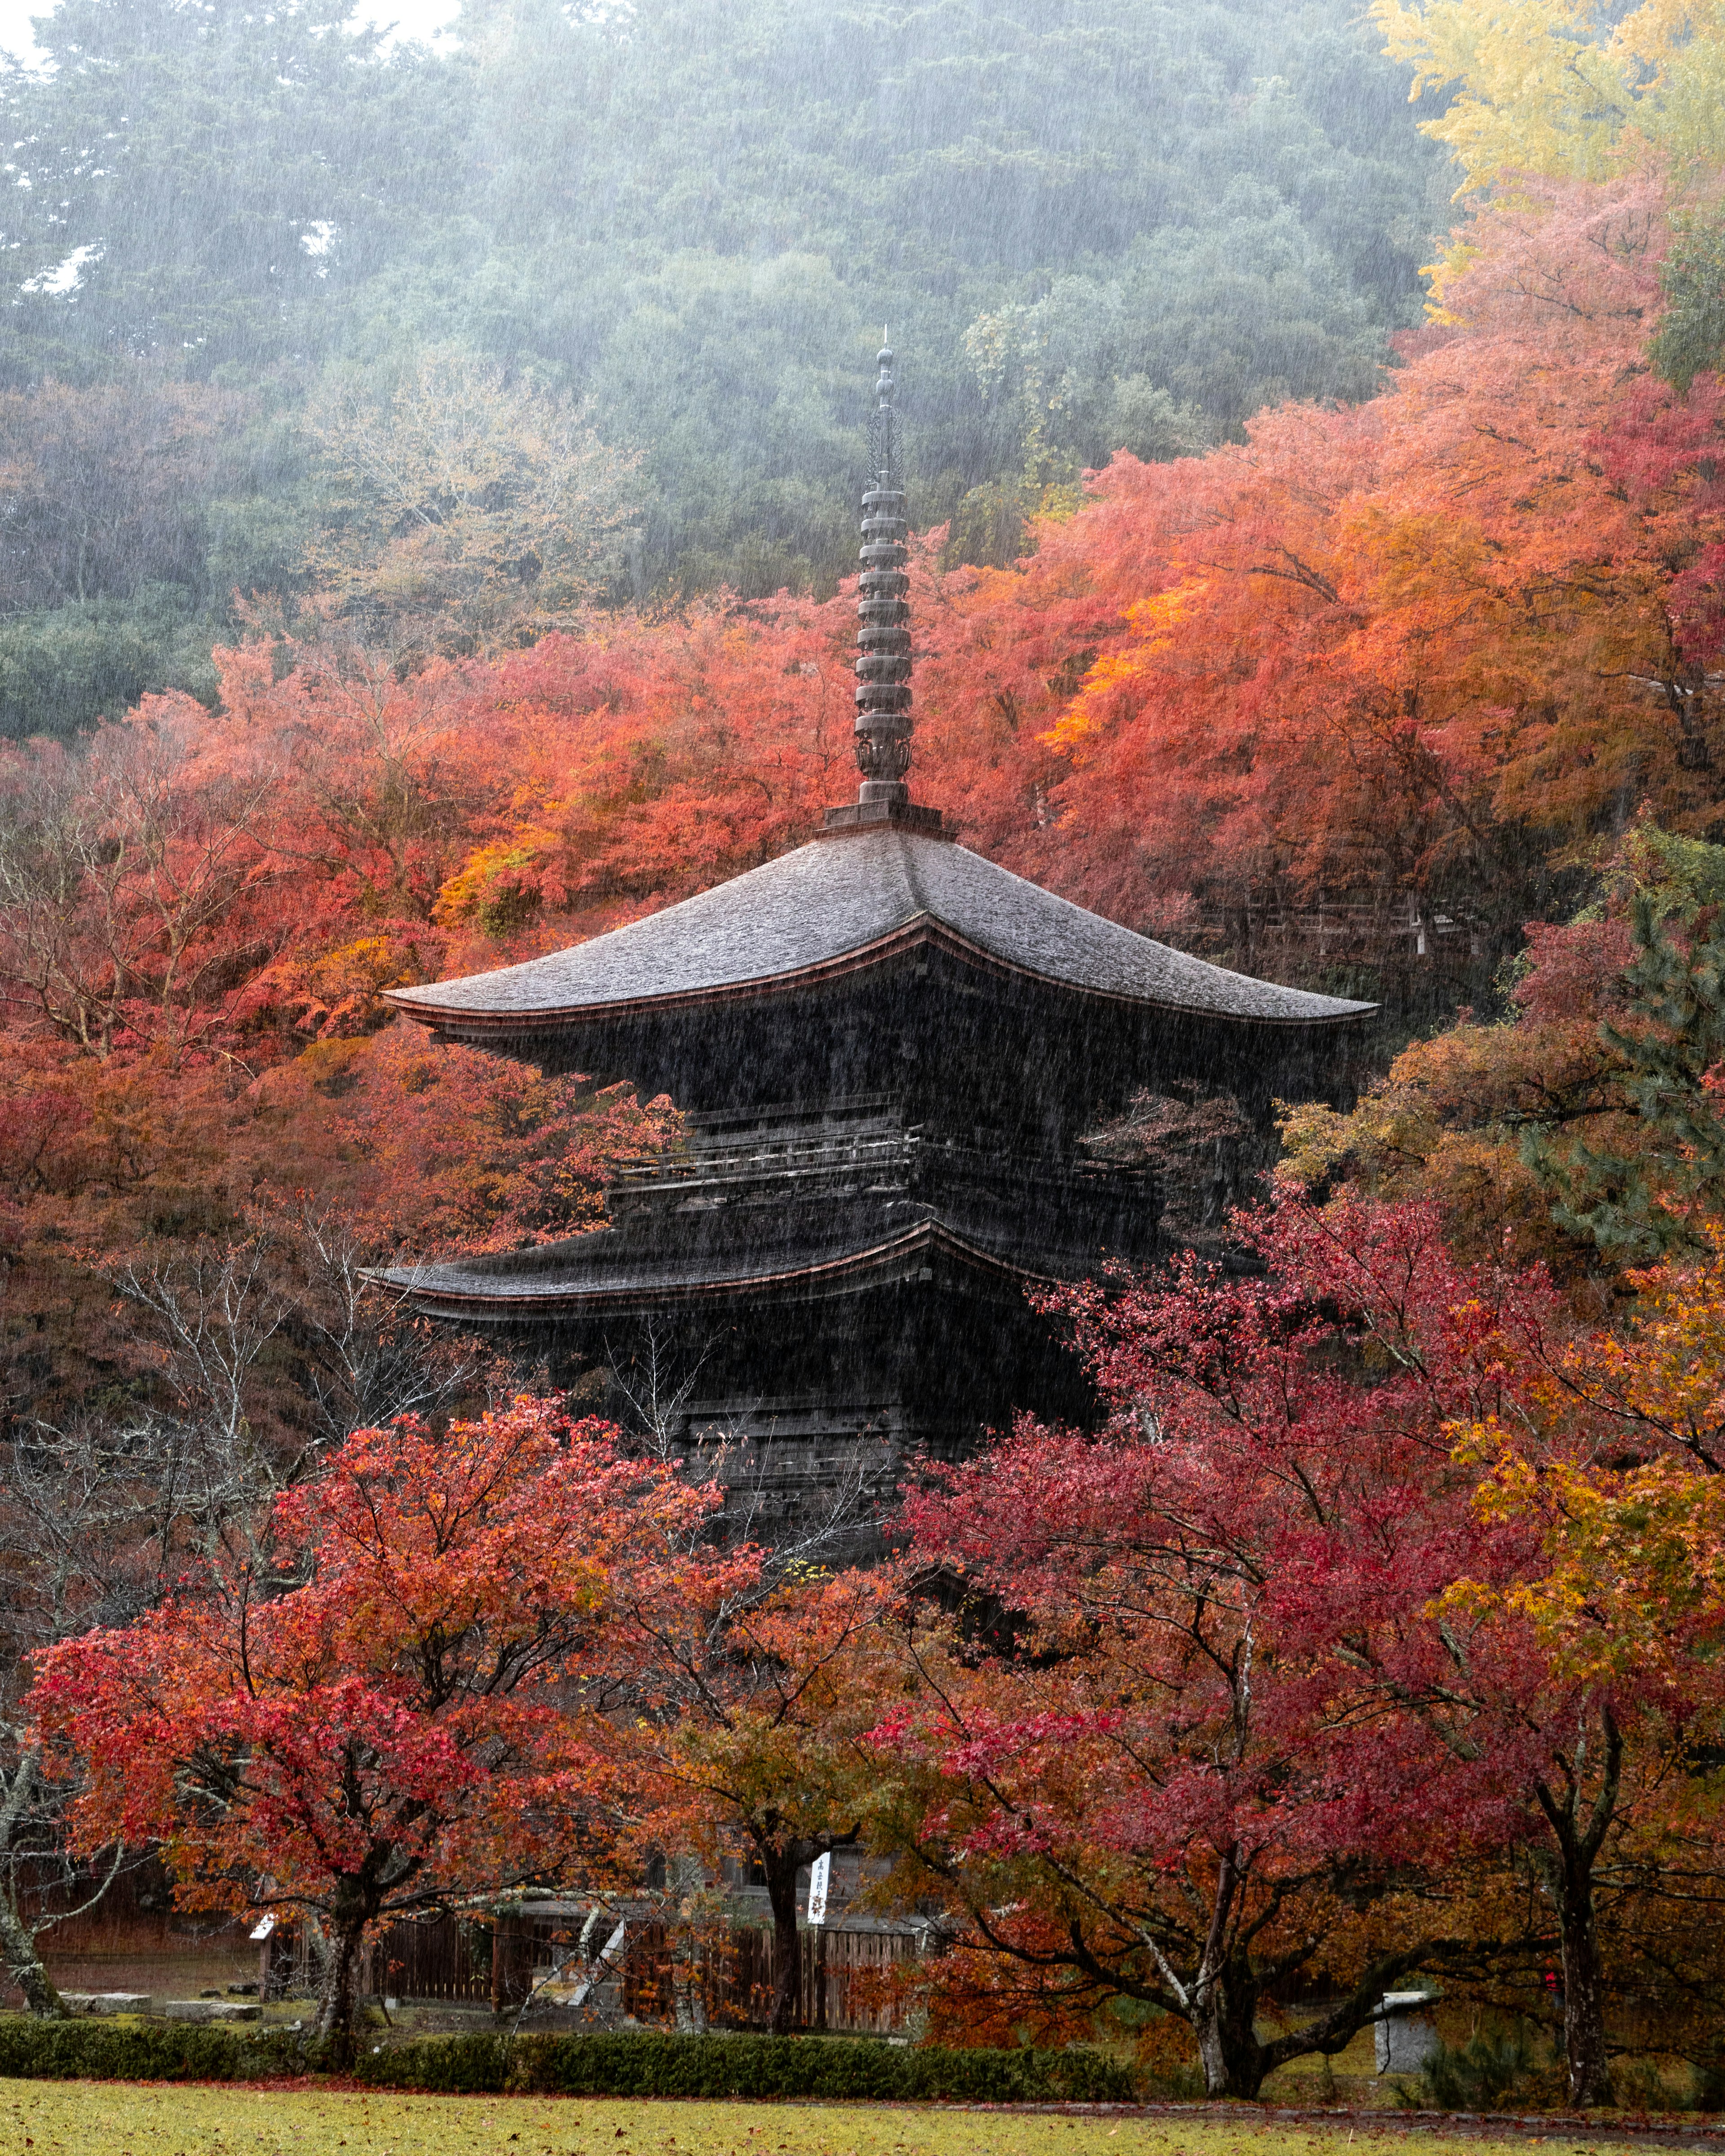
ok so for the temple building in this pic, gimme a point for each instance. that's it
(890, 1054)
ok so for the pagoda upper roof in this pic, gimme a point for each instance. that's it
(844, 903)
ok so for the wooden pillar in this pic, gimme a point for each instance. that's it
(512, 1963)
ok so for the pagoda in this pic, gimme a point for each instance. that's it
(889, 1053)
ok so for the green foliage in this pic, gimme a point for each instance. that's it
(1159, 193)
(1635, 1205)
(1690, 335)
(1679, 876)
(130, 512)
(990, 526)
(746, 2065)
(597, 2065)
(691, 222)
(60, 667)
(1195, 327)
(142, 2051)
(1481, 2075)
(199, 181)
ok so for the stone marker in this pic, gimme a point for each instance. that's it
(211, 2009)
(1406, 2035)
(106, 2002)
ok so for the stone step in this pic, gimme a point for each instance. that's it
(213, 2009)
(106, 2002)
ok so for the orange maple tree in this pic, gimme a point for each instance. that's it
(1407, 655)
(1412, 651)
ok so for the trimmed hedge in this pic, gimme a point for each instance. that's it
(141, 2051)
(834, 2067)
(600, 2065)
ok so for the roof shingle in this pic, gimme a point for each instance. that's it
(834, 903)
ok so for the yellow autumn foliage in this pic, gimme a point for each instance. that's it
(461, 509)
(1634, 1535)
(1156, 623)
(1539, 88)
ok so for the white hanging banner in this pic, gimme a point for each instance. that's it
(820, 1874)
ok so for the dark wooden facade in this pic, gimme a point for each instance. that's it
(885, 1149)
(890, 1052)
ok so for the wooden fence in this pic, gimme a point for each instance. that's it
(453, 1962)
(446, 1960)
(843, 1974)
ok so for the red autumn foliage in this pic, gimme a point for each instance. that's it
(394, 1698)
(1416, 648)
(1411, 654)
(1277, 1706)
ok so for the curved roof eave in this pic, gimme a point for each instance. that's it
(836, 907)
(450, 1291)
(924, 930)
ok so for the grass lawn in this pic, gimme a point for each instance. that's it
(107, 2118)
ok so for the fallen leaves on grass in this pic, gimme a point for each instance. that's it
(109, 2118)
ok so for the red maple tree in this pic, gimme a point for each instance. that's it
(1280, 1696)
(393, 1698)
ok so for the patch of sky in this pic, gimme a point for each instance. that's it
(65, 276)
(429, 20)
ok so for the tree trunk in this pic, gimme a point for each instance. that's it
(511, 1964)
(689, 1919)
(338, 2004)
(781, 1862)
(781, 1869)
(1584, 1989)
(1212, 2052)
(1228, 2046)
(23, 1964)
(688, 1999)
(17, 1936)
(1569, 1878)
(1223, 2003)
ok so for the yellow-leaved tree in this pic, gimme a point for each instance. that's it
(465, 512)
(1540, 87)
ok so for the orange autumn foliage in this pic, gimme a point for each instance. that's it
(395, 1697)
(1418, 657)
(1424, 648)
(1421, 650)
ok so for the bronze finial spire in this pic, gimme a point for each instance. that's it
(883, 636)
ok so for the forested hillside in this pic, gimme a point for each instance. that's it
(647, 249)
(439, 474)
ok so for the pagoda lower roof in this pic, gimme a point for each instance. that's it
(836, 906)
(590, 1276)
(867, 1202)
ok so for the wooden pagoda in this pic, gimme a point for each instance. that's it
(889, 1052)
